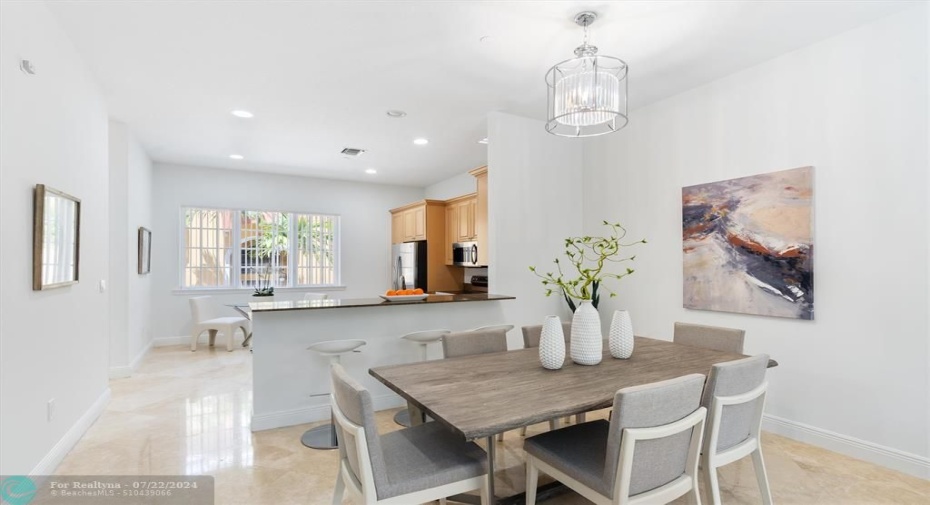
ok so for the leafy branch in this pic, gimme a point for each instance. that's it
(589, 256)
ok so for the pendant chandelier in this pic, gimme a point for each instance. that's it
(588, 93)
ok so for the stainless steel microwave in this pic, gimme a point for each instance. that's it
(465, 254)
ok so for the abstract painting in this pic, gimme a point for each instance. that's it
(747, 245)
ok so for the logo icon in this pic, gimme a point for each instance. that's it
(17, 490)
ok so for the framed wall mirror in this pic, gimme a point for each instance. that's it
(56, 239)
(145, 250)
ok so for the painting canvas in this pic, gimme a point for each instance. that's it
(748, 246)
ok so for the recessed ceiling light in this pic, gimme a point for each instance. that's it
(236, 156)
(242, 113)
(396, 114)
(483, 141)
(371, 171)
(420, 141)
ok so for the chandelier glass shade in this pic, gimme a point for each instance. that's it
(587, 95)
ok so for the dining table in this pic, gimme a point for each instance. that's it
(482, 395)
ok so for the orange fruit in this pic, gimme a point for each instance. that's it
(408, 292)
(418, 291)
(391, 292)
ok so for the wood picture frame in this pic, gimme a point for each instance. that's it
(145, 251)
(56, 239)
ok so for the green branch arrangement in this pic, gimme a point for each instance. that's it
(589, 256)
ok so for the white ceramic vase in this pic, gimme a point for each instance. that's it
(621, 335)
(587, 345)
(552, 344)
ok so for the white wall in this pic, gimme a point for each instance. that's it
(130, 293)
(855, 107)
(535, 202)
(452, 187)
(365, 228)
(53, 344)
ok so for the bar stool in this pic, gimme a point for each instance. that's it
(424, 339)
(494, 327)
(324, 437)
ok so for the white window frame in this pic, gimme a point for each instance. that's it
(236, 263)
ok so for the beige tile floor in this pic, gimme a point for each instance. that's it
(188, 413)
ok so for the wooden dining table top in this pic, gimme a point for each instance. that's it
(482, 395)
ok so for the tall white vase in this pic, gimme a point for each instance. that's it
(621, 335)
(587, 344)
(552, 344)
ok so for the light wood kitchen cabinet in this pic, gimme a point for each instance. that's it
(460, 221)
(408, 223)
(427, 220)
(397, 228)
(481, 213)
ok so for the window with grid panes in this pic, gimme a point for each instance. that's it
(226, 248)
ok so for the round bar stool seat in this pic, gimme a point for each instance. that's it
(423, 338)
(494, 327)
(324, 437)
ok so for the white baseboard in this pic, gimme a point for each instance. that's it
(186, 340)
(888, 457)
(121, 372)
(314, 413)
(71, 437)
(168, 341)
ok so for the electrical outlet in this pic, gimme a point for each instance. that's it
(51, 409)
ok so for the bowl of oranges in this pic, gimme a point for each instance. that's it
(400, 295)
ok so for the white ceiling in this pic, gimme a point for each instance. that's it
(319, 76)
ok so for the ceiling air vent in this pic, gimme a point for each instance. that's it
(352, 151)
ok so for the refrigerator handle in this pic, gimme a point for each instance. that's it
(395, 274)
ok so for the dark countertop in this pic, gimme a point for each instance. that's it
(343, 303)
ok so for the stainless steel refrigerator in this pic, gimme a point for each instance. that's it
(408, 265)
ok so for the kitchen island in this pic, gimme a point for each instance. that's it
(290, 383)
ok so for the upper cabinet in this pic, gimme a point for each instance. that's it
(408, 223)
(481, 213)
(460, 221)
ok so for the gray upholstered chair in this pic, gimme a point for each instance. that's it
(735, 398)
(531, 337)
(532, 334)
(415, 465)
(647, 453)
(468, 343)
(477, 341)
(710, 337)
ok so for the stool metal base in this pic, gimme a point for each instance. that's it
(321, 437)
(403, 418)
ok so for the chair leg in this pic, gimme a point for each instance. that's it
(580, 418)
(761, 476)
(483, 492)
(230, 334)
(339, 491)
(194, 336)
(694, 497)
(500, 437)
(442, 501)
(523, 431)
(212, 337)
(532, 480)
(713, 486)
